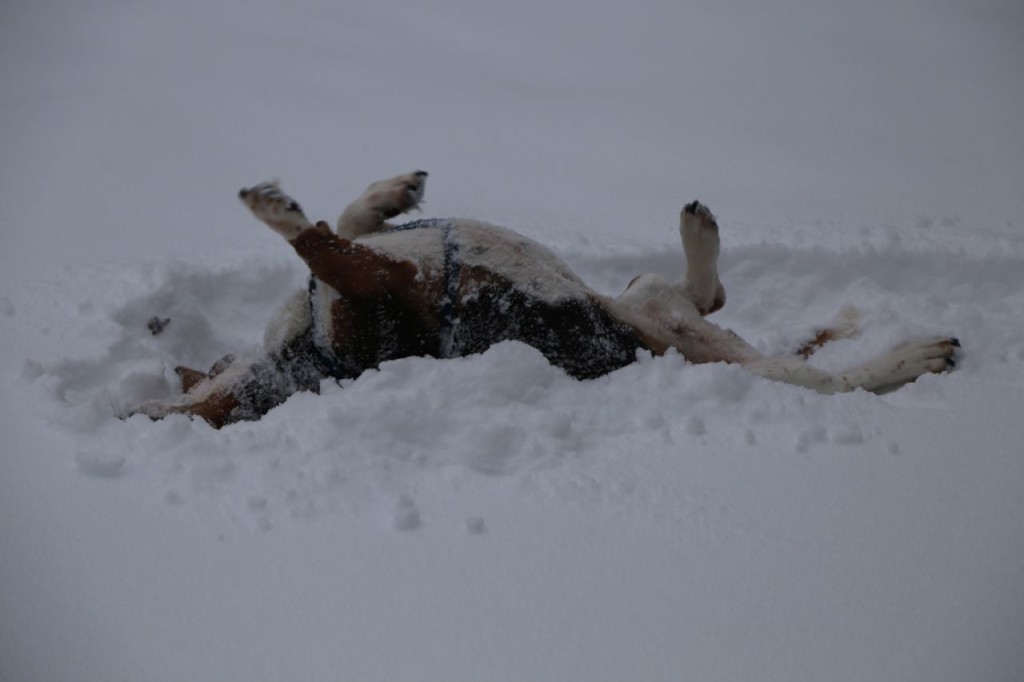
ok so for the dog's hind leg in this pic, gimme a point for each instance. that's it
(698, 230)
(899, 366)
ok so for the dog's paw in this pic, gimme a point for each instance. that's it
(382, 200)
(700, 212)
(397, 195)
(275, 208)
(696, 215)
(925, 356)
(915, 359)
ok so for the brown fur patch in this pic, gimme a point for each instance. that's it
(353, 270)
(189, 377)
(820, 339)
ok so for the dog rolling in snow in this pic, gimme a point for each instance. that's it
(450, 288)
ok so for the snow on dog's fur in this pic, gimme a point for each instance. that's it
(455, 287)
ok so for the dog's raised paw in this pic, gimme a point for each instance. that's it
(702, 213)
(397, 195)
(267, 196)
(275, 208)
(697, 217)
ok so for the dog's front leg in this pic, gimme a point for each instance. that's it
(350, 268)
(382, 200)
(246, 390)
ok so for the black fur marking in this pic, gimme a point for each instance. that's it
(575, 334)
(265, 388)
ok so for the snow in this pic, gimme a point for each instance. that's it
(488, 517)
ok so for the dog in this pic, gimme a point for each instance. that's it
(454, 287)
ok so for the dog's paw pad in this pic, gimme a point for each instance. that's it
(702, 213)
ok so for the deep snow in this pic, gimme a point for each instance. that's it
(487, 517)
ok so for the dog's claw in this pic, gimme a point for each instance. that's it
(955, 342)
(951, 362)
(697, 209)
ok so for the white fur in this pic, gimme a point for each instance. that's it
(291, 319)
(699, 233)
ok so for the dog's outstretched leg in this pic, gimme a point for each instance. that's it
(353, 270)
(885, 373)
(382, 200)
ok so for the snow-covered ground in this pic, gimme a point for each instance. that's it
(488, 518)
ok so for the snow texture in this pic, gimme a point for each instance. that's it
(489, 518)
